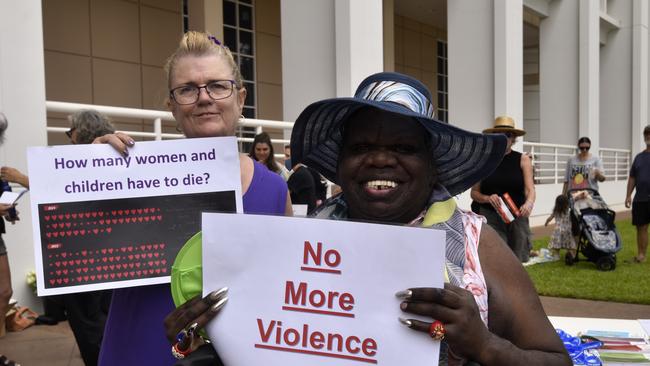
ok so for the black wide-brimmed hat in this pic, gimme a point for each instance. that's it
(461, 158)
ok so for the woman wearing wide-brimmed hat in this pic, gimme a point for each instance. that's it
(397, 165)
(513, 176)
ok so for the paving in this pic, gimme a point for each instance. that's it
(55, 345)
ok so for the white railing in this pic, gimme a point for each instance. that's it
(616, 163)
(549, 161)
(157, 117)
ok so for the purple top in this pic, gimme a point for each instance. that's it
(134, 333)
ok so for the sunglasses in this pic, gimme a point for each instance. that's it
(584, 147)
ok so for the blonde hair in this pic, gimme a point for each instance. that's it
(196, 43)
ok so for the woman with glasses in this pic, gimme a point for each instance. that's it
(206, 97)
(513, 179)
(583, 170)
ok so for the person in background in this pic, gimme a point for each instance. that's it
(206, 97)
(561, 238)
(8, 213)
(287, 157)
(302, 187)
(640, 180)
(86, 311)
(583, 170)
(513, 176)
(262, 151)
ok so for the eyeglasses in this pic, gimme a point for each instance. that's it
(584, 148)
(189, 94)
(69, 132)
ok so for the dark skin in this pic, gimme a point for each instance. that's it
(385, 167)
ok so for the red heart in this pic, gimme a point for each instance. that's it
(71, 262)
(142, 247)
(79, 279)
(139, 273)
(104, 259)
(151, 271)
(104, 251)
(139, 211)
(118, 266)
(65, 271)
(105, 268)
(95, 231)
(156, 254)
(51, 282)
(86, 278)
(157, 270)
(76, 232)
(74, 215)
(113, 213)
(111, 258)
(64, 254)
(94, 214)
(130, 265)
(99, 268)
(101, 221)
(137, 264)
(78, 261)
(146, 210)
(126, 274)
(137, 256)
(67, 224)
(155, 246)
(112, 275)
(123, 249)
(164, 269)
(54, 226)
(65, 263)
(120, 220)
(47, 217)
(85, 269)
(149, 247)
(61, 233)
(162, 246)
(69, 232)
(164, 261)
(133, 211)
(84, 252)
(114, 221)
(119, 274)
(82, 232)
(128, 220)
(84, 261)
(130, 249)
(67, 216)
(58, 272)
(48, 234)
(55, 234)
(78, 270)
(119, 212)
(130, 256)
(57, 263)
(146, 218)
(58, 280)
(110, 250)
(65, 280)
(117, 258)
(157, 263)
(60, 217)
(100, 213)
(150, 263)
(149, 255)
(105, 276)
(91, 260)
(140, 219)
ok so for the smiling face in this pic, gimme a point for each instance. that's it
(385, 169)
(207, 117)
(262, 151)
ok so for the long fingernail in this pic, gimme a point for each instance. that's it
(131, 142)
(406, 322)
(216, 307)
(405, 294)
(126, 152)
(215, 295)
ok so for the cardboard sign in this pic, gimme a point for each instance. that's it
(318, 292)
(102, 220)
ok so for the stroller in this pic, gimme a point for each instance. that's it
(598, 240)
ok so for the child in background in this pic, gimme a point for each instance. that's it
(562, 237)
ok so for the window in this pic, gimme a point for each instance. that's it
(443, 90)
(186, 17)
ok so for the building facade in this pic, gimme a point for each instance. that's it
(561, 68)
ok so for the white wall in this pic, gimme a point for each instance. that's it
(22, 100)
(470, 40)
(616, 80)
(558, 37)
(308, 54)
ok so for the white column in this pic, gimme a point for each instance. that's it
(508, 60)
(470, 36)
(558, 84)
(359, 42)
(22, 100)
(639, 74)
(308, 54)
(589, 77)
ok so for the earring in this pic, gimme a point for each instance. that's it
(242, 118)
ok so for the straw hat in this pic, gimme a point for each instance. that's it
(462, 158)
(503, 124)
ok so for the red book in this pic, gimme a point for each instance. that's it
(511, 205)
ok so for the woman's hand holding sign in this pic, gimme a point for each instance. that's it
(456, 318)
(183, 324)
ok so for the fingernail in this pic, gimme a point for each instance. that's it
(406, 322)
(126, 152)
(131, 142)
(216, 307)
(215, 295)
(403, 306)
(405, 294)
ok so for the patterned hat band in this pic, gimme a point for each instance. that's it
(400, 93)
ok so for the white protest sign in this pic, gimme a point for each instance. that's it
(102, 220)
(317, 292)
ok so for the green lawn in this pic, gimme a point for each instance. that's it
(628, 283)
